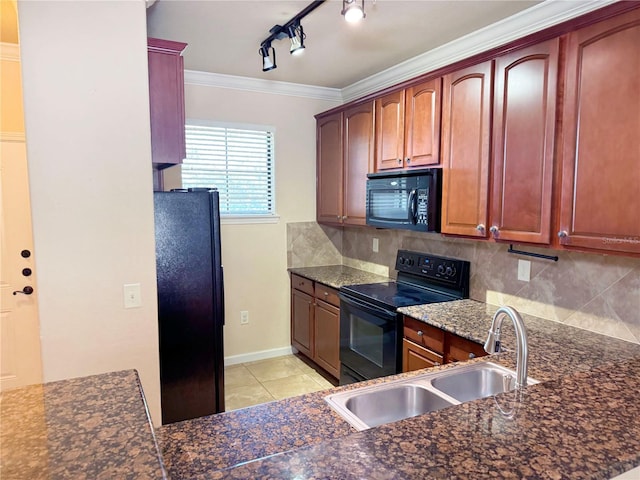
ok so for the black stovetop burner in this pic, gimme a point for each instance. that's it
(422, 278)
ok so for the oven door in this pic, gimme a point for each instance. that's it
(369, 339)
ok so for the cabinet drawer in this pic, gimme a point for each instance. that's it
(327, 294)
(303, 284)
(424, 335)
(462, 349)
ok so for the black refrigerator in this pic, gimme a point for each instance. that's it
(190, 303)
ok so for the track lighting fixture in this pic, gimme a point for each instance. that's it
(267, 63)
(296, 35)
(292, 30)
(352, 11)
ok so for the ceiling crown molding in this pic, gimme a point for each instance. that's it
(193, 77)
(534, 19)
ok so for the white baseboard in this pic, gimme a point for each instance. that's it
(262, 355)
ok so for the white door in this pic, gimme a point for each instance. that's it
(20, 357)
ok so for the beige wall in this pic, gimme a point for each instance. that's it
(255, 256)
(88, 147)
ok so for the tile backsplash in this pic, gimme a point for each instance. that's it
(600, 293)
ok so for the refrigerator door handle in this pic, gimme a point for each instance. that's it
(222, 292)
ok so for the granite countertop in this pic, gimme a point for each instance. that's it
(582, 421)
(337, 276)
(92, 427)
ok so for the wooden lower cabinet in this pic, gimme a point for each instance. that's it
(327, 337)
(315, 323)
(425, 346)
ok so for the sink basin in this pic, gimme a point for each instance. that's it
(388, 402)
(395, 403)
(475, 383)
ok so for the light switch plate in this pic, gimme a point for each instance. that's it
(132, 298)
(524, 270)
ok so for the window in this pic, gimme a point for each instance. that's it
(235, 159)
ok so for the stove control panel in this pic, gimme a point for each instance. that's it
(450, 271)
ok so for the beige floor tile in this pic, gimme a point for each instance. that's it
(274, 368)
(291, 386)
(320, 380)
(238, 376)
(245, 396)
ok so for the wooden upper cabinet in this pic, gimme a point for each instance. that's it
(358, 161)
(466, 135)
(422, 124)
(329, 175)
(601, 137)
(390, 131)
(408, 127)
(166, 101)
(523, 143)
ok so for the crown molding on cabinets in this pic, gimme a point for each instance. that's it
(532, 20)
(193, 77)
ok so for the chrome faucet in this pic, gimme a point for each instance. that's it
(492, 345)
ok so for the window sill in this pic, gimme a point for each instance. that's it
(248, 219)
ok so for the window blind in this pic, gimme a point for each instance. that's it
(236, 161)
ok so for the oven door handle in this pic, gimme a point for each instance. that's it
(367, 307)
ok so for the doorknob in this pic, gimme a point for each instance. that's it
(25, 291)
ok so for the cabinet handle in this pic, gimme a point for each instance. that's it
(338, 217)
(420, 333)
(408, 160)
(472, 355)
(495, 230)
(562, 234)
(326, 294)
(399, 161)
(480, 228)
(344, 217)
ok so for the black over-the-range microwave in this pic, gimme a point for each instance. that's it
(405, 199)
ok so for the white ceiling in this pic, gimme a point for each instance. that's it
(224, 35)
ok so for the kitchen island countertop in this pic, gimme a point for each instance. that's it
(582, 421)
(91, 427)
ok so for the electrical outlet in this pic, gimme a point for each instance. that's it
(524, 270)
(131, 292)
(376, 245)
(244, 317)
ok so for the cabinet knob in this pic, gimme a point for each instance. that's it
(472, 355)
(344, 217)
(563, 234)
(480, 228)
(399, 161)
(338, 217)
(420, 333)
(495, 230)
(326, 294)
(408, 160)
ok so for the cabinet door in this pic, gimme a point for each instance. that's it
(466, 129)
(601, 132)
(358, 161)
(460, 349)
(166, 101)
(302, 322)
(390, 131)
(327, 337)
(415, 357)
(329, 169)
(422, 124)
(523, 143)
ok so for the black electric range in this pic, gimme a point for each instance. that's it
(371, 328)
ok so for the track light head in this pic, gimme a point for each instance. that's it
(267, 63)
(296, 35)
(352, 11)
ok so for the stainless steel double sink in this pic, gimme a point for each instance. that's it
(375, 405)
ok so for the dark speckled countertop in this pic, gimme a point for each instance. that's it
(93, 427)
(581, 421)
(336, 276)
